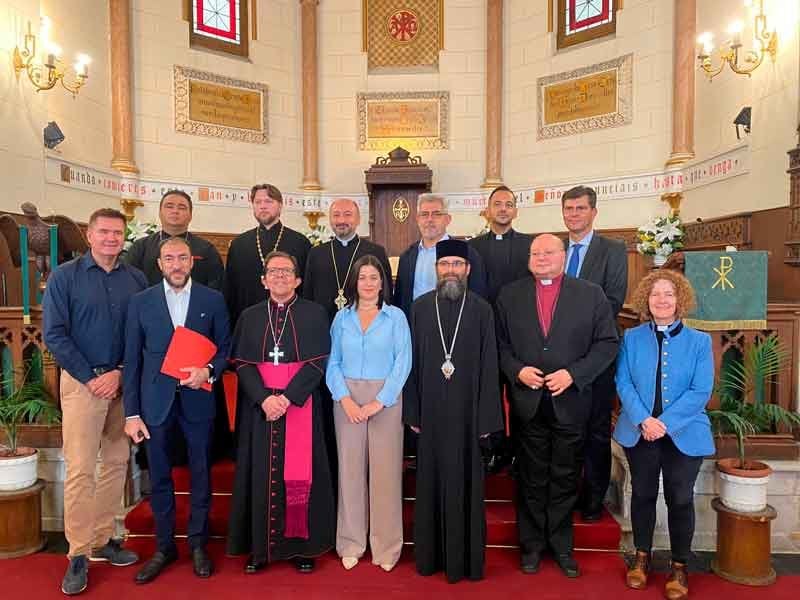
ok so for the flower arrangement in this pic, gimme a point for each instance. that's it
(135, 230)
(318, 235)
(660, 237)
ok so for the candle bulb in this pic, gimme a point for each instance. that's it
(26, 283)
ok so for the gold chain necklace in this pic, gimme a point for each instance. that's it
(258, 242)
(340, 300)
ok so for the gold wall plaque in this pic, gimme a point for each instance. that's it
(400, 209)
(414, 120)
(217, 106)
(586, 99)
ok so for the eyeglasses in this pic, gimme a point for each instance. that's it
(454, 264)
(280, 272)
(436, 214)
(545, 253)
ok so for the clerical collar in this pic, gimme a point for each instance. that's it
(282, 305)
(548, 282)
(670, 330)
(501, 236)
(346, 241)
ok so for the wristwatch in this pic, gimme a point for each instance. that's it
(211, 378)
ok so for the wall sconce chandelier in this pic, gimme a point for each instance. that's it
(47, 70)
(766, 42)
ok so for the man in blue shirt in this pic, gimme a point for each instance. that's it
(85, 308)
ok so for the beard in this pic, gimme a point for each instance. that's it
(451, 289)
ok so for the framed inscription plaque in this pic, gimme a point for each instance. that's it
(217, 106)
(414, 120)
(594, 97)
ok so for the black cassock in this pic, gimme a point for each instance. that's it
(319, 283)
(449, 516)
(258, 512)
(243, 287)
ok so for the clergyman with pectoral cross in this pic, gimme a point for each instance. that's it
(283, 502)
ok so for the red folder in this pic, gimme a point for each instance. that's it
(188, 349)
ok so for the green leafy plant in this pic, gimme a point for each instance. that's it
(26, 402)
(742, 390)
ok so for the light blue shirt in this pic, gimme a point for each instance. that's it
(425, 269)
(587, 239)
(178, 302)
(383, 352)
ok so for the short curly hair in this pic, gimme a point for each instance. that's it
(684, 294)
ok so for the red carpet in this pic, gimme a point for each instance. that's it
(38, 577)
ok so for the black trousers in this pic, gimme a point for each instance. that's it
(597, 460)
(198, 436)
(647, 460)
(548, 468)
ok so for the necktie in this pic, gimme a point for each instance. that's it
(572, 267)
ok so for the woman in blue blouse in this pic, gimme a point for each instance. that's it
(665, 375)
(369, 362)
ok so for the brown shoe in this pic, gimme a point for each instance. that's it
(636, 577)
(677, 587)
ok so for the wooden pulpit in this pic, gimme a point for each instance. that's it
(394, 183)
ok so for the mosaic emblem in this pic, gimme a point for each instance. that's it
(400, 209)
(403, 26)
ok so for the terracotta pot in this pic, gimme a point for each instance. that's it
(19, 471)
(743, 488)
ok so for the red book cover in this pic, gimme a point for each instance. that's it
(187, 349)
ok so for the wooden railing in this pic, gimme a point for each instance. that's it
(21, 344)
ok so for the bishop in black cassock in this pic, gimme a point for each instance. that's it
(275, 513)
(452, 415)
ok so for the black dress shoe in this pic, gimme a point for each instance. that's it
(254, 565)
(201, 562)
(529, 562)
(303, 564)
(153, 567)
(567, 564)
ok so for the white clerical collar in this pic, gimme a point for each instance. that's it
(546, 281)
(501, 236)
(346, 241)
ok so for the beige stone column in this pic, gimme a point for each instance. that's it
(121, 85)
(494, 93)
(684, 66)
(308, 27)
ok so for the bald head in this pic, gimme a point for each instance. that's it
(344, 217)
(547, 256)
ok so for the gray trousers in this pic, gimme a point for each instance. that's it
(370, 478)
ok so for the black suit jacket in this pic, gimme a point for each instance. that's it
(406, 270)
(520, 252)
(582, 339)
(606, 264)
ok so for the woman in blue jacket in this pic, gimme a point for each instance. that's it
(369, 362)
(665, 375)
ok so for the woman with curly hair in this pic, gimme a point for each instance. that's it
(665, 375)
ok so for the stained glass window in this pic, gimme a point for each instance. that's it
(219, 25)
(583, 20)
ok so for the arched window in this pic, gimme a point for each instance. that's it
(580, 21)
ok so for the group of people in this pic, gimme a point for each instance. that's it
(334, 360)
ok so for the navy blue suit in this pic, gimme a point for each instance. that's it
(406, 271)
(161, 402)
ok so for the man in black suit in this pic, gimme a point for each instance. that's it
(156, 404)
(603, 261)
(416, 271)
(551, 357)
(505, 254)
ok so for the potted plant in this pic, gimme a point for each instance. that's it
(744, 411)
(660, 237)
(25, 402)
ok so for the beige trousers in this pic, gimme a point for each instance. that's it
(370, 478)
(92, 496)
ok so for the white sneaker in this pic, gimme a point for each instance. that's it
(348, 562)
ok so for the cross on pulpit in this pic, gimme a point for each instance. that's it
(275, 355)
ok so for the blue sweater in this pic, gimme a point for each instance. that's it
(687, 380)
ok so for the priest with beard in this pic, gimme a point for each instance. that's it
(329, 264)
(452, 400)
(246, 254)
(283, 501)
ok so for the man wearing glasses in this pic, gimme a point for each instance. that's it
(416, 272)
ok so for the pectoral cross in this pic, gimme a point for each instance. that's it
(340, 301)
(275, 355)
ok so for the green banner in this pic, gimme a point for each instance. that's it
(731, 289)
